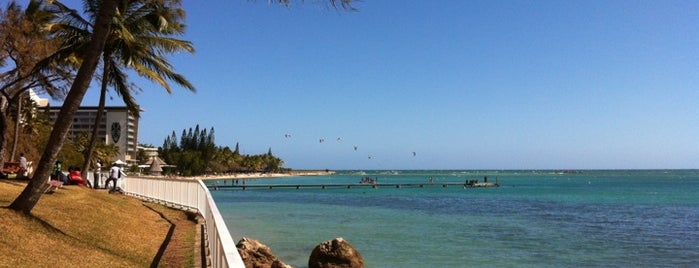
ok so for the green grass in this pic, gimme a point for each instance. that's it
(81, 227)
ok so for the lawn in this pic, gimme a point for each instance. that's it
(80, 227)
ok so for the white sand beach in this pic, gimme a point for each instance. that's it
(260, 175)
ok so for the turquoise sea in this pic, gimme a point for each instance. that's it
(619, 218)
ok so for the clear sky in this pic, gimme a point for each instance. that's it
(462, 84)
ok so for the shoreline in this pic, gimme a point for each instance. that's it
(258, 175)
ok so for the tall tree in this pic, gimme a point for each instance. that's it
(183, 139)
(26, 201)
(24, 42)
(194, 143)
(141, 36)
(90, 54)
(34, 130)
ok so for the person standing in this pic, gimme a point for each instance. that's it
(98, 174)
(22, 165)
(114, 173)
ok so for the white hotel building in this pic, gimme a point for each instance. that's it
(118, 126)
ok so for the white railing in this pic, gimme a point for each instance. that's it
(191, 194)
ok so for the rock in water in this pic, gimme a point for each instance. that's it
(258, 255)
(336, 253)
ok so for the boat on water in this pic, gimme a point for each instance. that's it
(485, 183)
(369, 180)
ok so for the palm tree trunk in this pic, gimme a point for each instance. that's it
(3, 129)
(26, 201)
(17, 126)
(98, 120)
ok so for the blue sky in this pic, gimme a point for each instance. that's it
(463, 84)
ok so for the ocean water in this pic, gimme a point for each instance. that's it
(620, 218)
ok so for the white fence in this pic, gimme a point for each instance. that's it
(191, 194)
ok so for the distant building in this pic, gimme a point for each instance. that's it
(149, 152)
(118, 127)
(41, 102)
(153, 165)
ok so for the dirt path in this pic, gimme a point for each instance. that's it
(181, 247)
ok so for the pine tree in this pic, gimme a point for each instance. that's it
(201, 144)
(183, 140)
(210, 139)
(194, 142)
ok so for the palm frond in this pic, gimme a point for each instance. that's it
(70, 16)
(142, 35)
(118, 80)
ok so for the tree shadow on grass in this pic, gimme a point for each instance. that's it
(166, 241)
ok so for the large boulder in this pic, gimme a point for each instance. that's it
(257, 255)
(336, 253)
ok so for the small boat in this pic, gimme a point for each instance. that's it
(368, 180)
(485, 183)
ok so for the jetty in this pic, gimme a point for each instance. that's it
(468, 184)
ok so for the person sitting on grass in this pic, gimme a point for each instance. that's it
(75, 177)
(58, 173)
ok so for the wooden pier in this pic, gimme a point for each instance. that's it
(355, 185)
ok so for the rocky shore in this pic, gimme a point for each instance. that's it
(335, 253)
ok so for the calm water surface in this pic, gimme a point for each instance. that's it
(536, 219)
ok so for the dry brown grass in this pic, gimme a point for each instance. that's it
(80, 227)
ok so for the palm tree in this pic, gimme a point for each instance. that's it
(90, 52)
(140, 37)
(26, 201)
